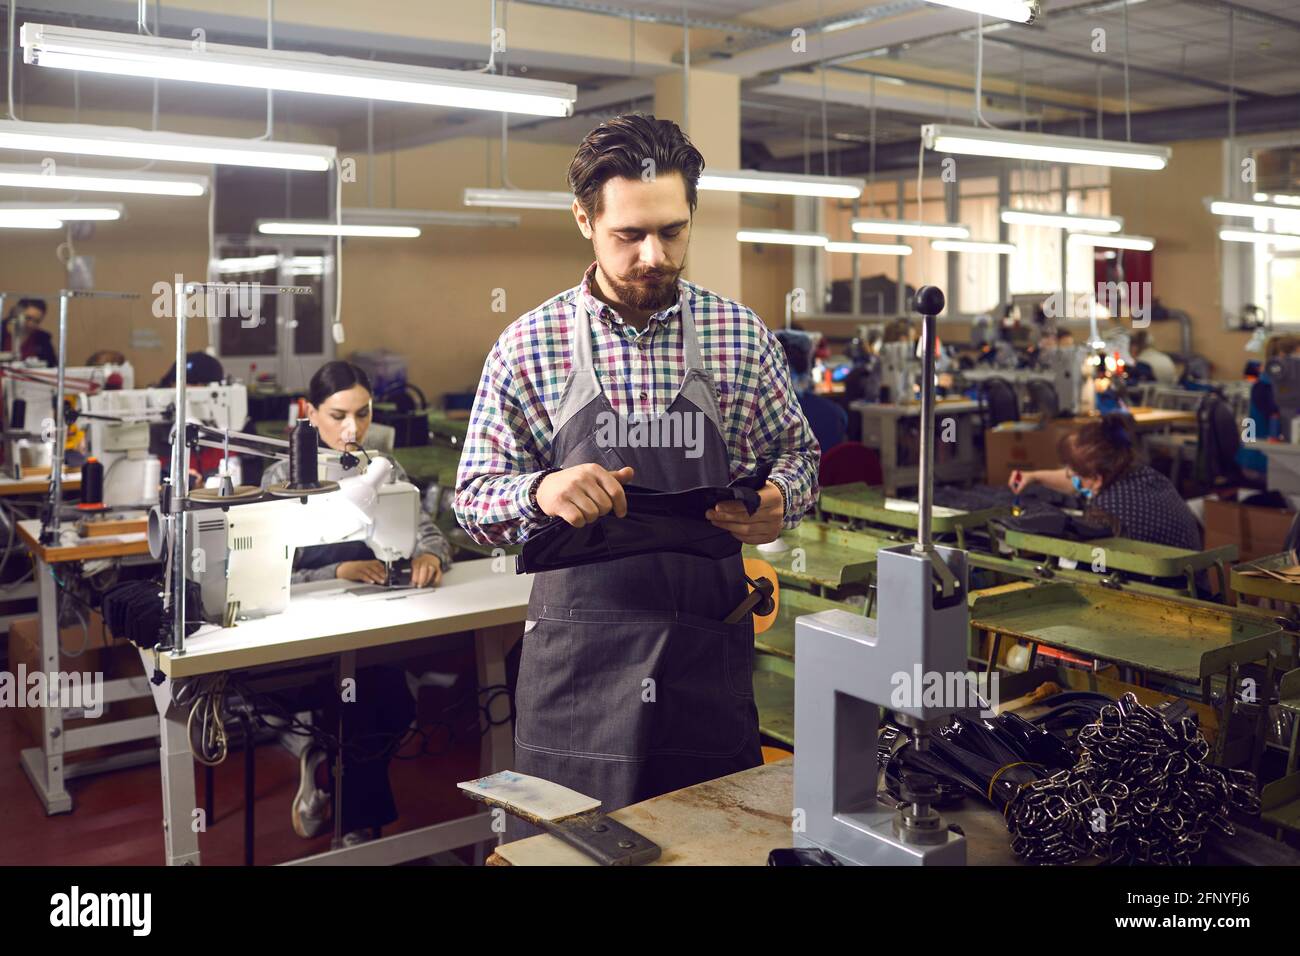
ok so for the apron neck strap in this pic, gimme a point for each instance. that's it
(690, 340)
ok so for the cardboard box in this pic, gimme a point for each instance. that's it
(1019, 448)
(103, 654)
(1257, 532)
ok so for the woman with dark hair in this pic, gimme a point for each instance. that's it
(339, 400)
(339, 406)
(1101, 466)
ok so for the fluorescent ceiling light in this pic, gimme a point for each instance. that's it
(322, 228)
(963, 245)
(307, 265)
(424, 217)
(871, 248)
(247, 264)
(519, 198)
(901, 227)
(124, 142)
(1260, 238)
(1020, 11)
(1281, 199)
(28, 220)
(81, 179)
(1061, 220)
(783, 184)
(1010, 144)
(69, 212)
(782, 237)
(1137, 243)
(124, 54)
(1254, 210)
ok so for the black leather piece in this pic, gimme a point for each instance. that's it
(656, 521)
(1057, 524)
(134, 610)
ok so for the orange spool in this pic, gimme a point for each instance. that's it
(757, 569)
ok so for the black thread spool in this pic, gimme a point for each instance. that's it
(92, 485)
(303, 466)
(304, 471)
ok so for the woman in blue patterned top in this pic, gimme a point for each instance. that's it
(1101, 466)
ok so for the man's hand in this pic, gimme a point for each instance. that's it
(762, 526)
(426, 569)
(583, 493)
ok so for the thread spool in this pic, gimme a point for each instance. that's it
(304, 474)
(92, 485)
(18, 415)
(303, 465)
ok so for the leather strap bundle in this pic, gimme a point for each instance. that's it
(134, 610)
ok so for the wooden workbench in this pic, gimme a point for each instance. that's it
(37, 484)
(74, 548)
(736, 821)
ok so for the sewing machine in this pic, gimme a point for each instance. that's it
(131, 472)
(898, 371)
(1284, 373)
(29, 404)
(847, 667)
(1065, 366)
(242, 556)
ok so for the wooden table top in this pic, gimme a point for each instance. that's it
(74, 548)
(38, 484)
(736, 821)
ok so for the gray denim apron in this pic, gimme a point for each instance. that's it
(630, 684)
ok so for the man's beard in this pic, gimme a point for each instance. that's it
(646, 290)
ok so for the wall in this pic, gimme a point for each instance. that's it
(1188, 267)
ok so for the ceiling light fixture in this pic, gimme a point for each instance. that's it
(160, 58)
(123, 142)
(903, 227)
(1043, 147)
(782, 184)
(103, 180)
(1061, 220)
(782, 237)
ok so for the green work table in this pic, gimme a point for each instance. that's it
(870, 505)
(779, 638)
(823, 557)
(774, 697)
(453, 430)
(425, 464)
(1280, 799)
(1189, 641)
(1120, 556)
(1285, 592)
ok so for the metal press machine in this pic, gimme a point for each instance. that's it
(847, 668)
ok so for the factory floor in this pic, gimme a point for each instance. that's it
(117, 816)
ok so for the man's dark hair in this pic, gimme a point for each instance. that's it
(620, 147)
(30, 303)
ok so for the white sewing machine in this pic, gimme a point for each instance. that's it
(242, 557)
(34, 386)
(131, 473)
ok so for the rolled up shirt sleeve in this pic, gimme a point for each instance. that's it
(499, 463)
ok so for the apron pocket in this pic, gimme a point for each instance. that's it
(629, 685)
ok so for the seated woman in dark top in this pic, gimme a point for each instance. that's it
(381, 708)
(1101, 466)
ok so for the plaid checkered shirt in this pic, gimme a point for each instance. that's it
(510, 432)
